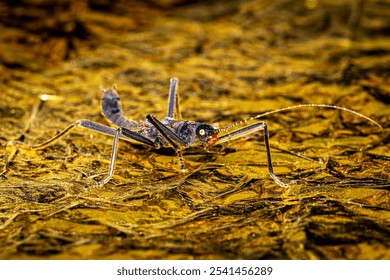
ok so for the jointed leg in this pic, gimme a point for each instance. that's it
(269, 160)
(79, 123)
(173, 100)
(251, 129)
(114, 154)
(171, 137)
(125, 134)
(117, 133)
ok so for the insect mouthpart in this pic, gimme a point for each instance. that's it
(213, 140)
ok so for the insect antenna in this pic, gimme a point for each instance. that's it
(289, 108)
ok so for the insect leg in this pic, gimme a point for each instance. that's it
(125, 134)
(79, 123)
(173, 100)
(114, 154)
(120, 131)
(171, 137)
(251, 129)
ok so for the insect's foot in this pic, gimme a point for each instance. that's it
(284, 185)
(101, 182)
(98, 183)
(279, 182)
(90, 186)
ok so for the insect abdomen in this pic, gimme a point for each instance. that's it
(112, 110)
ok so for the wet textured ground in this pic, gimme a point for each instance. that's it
(234, 59)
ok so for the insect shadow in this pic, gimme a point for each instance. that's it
(172, 131)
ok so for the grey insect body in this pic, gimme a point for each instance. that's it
(172, 131)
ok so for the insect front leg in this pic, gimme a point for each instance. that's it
(241, 132)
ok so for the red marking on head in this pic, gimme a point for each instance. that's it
(213, 140)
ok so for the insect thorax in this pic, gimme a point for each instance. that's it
(190, 132)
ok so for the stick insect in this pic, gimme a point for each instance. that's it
(172, 131)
